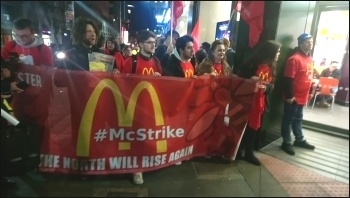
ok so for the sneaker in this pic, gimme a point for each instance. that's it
(250, 157)
(288, 148)
(325, 105)
(178, 163)
(138, 179)
(304, 144)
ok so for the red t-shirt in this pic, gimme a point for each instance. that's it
(258, 106)
(119, 60)
(187, 68)
(44, 57)
(300, 67)
(143, 66)
(218, 68)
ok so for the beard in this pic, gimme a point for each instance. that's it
(187, 56)
(87, 42)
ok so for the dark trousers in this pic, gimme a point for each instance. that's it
(248, 140)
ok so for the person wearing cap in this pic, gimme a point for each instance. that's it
(298, 75)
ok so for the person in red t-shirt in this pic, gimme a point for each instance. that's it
(143, 63)
(146, 63)
(261, 67)
(179, 63)
(120, 57)
(298, 75)
(215, 64)
(31, 49)
(111, 47)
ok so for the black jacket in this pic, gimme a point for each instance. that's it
(173, 67)
(77, 58)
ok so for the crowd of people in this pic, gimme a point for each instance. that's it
(174, 55)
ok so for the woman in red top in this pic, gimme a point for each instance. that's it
(120, 57)
(262, 69)
(215, 64)
(111, 47)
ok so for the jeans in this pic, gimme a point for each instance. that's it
(292, 119)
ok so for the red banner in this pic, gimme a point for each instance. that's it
(98, 123)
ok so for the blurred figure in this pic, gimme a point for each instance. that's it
(331, 72)
(101, 43)
(230, 53)
(111, 47)
(30, 48)
(200, 55)
(160, 41)
(205, 46)
(8, 88)
(164, 51)
(121, 57)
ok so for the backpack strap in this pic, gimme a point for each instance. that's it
(134, 62)
(158, 65)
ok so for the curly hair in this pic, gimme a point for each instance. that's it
(79, 29)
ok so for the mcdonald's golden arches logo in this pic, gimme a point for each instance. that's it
(125, 115)
(188, 73)
(147, 71)
(264, 76)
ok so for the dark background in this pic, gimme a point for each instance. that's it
(141, 17)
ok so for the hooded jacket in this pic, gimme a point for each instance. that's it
(173, 67)
(41, 57)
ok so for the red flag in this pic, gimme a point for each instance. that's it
(195, 35)
(252, 12)
(177, 11)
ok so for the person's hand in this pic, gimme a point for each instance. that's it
(157, 74)
(290, 100)
(255, 78)
(170, 49)
(14, 88)
(262, 86)
(115, 71)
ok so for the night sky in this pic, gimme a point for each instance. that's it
(141, 17)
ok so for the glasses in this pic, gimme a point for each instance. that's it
(22, 37)
(151, 42)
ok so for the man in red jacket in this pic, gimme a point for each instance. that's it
(30, 48)
(298, 75)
